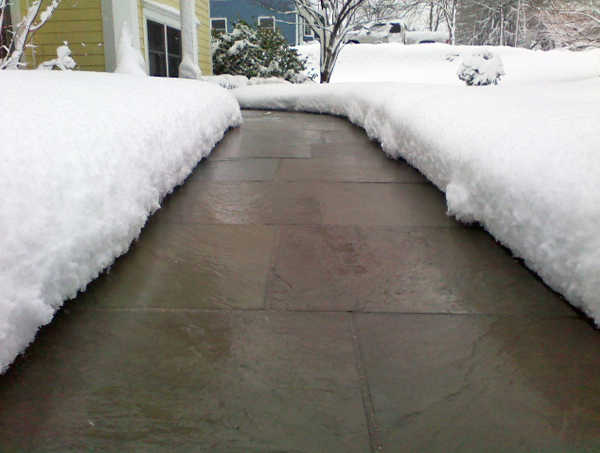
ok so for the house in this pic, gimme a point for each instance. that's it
(273, 14)
(93, 27)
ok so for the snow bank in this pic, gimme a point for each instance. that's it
(522, 160)
(85, 159)
(230, 82)
(438, 63)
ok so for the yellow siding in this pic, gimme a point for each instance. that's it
(79, 23)
(204, 57)
(141, 24)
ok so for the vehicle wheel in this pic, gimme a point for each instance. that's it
(352, 42)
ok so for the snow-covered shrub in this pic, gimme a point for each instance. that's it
(227, 81)
(255, 53)
(63, 60)
(267, 80)
(481, 68)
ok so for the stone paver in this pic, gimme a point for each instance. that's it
(472, 384)
(301, 292)
(403, 270)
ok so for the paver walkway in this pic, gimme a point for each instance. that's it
(303, 293)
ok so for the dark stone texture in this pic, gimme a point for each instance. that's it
(226, 329)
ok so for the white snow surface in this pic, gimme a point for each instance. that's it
(521, 158)
(85, 159)
(438, 63)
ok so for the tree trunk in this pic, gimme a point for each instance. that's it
(326, 62)
(502, 40)
(518, 23)
(453, 26)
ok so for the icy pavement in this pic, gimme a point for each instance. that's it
(301, 292)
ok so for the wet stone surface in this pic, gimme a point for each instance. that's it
(468, 383)
(226, 381)
(404, 270)
(302, 292)
(264, 203)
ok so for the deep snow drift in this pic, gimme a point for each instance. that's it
(522, 158)
(85, 159)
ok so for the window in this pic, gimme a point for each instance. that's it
(5, 34)
(219, 24)
(164, 50)
(266, 22)
(396, 28)
(308, 32)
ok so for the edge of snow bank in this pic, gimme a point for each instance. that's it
(527, 185)
(87, 159)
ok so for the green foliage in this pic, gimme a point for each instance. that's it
(255, 53)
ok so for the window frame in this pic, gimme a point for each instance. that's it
(168, 54)
(5, 30)
(166, 16)
(307, 31)
(273, 27)
(14, 12)
(225, 30)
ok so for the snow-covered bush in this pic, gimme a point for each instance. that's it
(256, 53)
(63, 60)
(481, 68)
(227, 81)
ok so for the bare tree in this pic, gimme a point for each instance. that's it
(330, 20)
(447, 11)
(380, 10)
(493, 22)
(21, 34)
(574, 23)
(431, 14)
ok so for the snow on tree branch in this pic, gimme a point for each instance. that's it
(575, 23)
(24, 31)
(330, 20)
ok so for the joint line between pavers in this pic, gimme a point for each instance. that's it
(272, 275)
(372, 425)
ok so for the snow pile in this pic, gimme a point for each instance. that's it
(481, 68)
(438, 63)
(521, 159)
(86, 158)
(231, 82)
(267, 80)
(129, 59)
(227, 81)
(418, 36)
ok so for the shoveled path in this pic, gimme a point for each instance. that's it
(303, 293)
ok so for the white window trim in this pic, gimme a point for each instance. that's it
(162, 14)
(165, 15)
(219, 18)
(267, 17)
